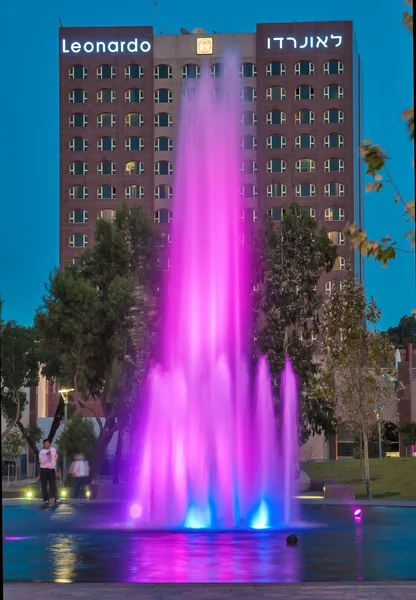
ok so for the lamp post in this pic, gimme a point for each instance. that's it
(65, 397)
(379, 409)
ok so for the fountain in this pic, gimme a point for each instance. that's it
(209, 456)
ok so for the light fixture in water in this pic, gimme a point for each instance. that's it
(29, 494)
(198, 518)
(87, 493)
(261, 518)
(136, 511)
(358, 512)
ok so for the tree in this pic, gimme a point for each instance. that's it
(376, 162)
(78, 437)
(98, 325)
(360, 360)
(404, 333)
(292, 258)
(19, 370)
(408, 431)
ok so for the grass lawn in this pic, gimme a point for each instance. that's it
(393, 478)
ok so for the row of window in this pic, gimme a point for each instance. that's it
(247, 190)
(247, 94)
(193, 71)
(273, 117)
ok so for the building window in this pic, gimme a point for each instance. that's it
(334, 214)
(134, 120)
(78, 120)
(305, 92)
(334, 140)
(275, 69)
(305, 190)
(276, 165)
(304, 67)
(134, 143)
(248, 190)
(106, 72)
(107, 214)
(333, 286)
(333, 115)
(248, 94)
(247, 70)
(134, 167)
(248, 118)
(334, 189)
(305, 165)
(333, 92)
(189, 94)
(134, 95)
(163, 167)
(163, 215)
(304, 117)
(339, 264)
(78, 216)
(163, 72)
(275, 141)
(134, 191)
(310, 212)
(78, 167)
(276, 117)
(275, 92)
(334, 165)
(191, 71)
(163, 144)
(78, 192)
(106, 192)
(78, 96)
(337, 238)
(76, 263)
(248, 142)
(276, 214)
(106, 120)
(78, 144)
(248, 167)
(106, 144)
(276, 190)
(106, 167)
(249, 215)
(78, 240)
(78, 72)
(106, 96)
(305, 141)
(215, 70)
(333, 67)
(163, 120)
(162, 192)
(163, 96)
(134, 72)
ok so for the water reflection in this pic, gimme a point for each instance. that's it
(64, 559)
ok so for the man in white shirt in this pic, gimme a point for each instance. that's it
(80, 471)
(48, 458)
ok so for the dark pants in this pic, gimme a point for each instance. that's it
(79, 484)
(48, 476)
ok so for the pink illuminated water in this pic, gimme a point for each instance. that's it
(210, 455)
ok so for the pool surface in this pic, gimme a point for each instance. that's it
(93, 542)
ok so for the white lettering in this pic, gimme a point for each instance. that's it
(113, 46)
(145, 46)
(132, 46)
(306, 42)
(268, 43)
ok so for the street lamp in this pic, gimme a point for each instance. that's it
(65, 397)
(379, 410)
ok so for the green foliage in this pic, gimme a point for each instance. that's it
(12, 444)
(404, 333)
(408, 431)
(292, 259)
(78, 437)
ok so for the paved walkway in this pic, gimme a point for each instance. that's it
(95, 591)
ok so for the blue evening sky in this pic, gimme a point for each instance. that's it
(29, 101)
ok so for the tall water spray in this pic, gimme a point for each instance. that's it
(209, 454)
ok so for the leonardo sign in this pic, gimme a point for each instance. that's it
(313, 41)
(132, 46)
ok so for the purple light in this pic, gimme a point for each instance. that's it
(209, 456)
(358, 512)
(136, 511)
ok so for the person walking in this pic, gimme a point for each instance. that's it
(47, 459)
(80, 470)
